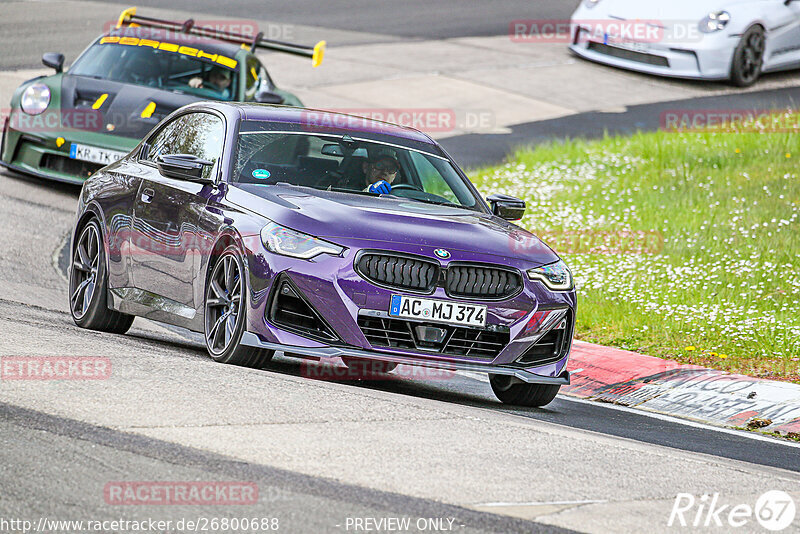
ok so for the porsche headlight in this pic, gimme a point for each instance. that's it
(35, 99)
(714, 22)
(282, 240)
(555, 276)
(590, 3)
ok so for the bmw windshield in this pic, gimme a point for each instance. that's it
(341, 163)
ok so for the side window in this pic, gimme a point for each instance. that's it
(432, 180)
(199, 134)
(256, 79)
(163, 142)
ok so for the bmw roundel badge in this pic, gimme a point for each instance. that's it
(441, 253)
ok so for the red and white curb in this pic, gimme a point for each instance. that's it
(667, 387)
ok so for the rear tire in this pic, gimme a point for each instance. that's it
(225, 314)
(516, 393)
(88, 284)
(748, 58)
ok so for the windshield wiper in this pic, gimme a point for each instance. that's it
(438, 203)
(369, 194)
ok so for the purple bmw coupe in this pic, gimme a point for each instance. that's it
(321, 235)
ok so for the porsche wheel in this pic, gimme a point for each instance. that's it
(225, 314)
(748, 59)
(509, 391)
(88, 284)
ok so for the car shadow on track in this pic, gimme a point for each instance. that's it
(445, 387)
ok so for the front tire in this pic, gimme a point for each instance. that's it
(88, 284)
(509, 391)
(225, 313)
(748, 58)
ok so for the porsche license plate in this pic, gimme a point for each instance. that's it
(440, 311)
(94, 154)
(642, 48)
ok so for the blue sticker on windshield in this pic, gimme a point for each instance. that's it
(261, 174)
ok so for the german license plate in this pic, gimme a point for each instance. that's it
(95, 154)
(627, 45)
(438, 311)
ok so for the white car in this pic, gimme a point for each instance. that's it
(732, 40)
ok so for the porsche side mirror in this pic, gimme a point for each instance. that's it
(268, 97)
(184, 167)
(507, 207)
(54, 60)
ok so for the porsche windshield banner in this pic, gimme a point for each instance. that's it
(172, 47)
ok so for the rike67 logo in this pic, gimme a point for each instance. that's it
(774, 511)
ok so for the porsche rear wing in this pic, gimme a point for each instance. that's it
(129, 18)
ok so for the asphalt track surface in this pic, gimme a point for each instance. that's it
(27, 436)
(424, 19)
(283, 494)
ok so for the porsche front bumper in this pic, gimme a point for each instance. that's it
(708, 58)
(46, 154)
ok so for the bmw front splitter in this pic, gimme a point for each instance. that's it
(251, 339)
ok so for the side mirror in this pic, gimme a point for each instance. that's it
(184, 167)
(507, 207)
(53, 60)
(268, 97)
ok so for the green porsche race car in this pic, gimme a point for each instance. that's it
(68, 125)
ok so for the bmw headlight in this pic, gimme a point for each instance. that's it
(590, 3)
(282, 240)
(35, 99)
(714, 22)
(555, 276)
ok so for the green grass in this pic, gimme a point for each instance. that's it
(724, 290)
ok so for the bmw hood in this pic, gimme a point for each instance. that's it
(354, 220)
(125, 110)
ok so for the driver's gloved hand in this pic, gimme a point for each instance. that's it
(381, 187)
